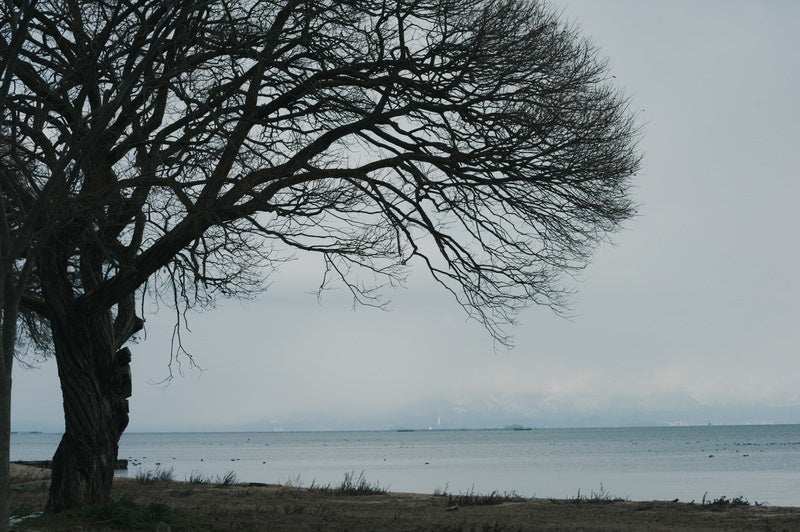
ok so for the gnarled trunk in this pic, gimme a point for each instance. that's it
(95, 382)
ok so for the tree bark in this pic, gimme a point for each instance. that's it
(5, 442)
(94, 388)
(8, 342)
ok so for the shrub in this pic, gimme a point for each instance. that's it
(359, 486)
(473, 498)
(158, 474)
(597, 497)
(228, 479)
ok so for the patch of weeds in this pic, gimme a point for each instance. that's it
(473, 498)
(196, 477)
(597, 497)
(158, 474)
(351, 485)
(124, 514)
(724, 501)
(322, 488)
(29, 474)
(441, 492)
(359, 486)
(291, 487)
(293, 482)
(228, 479)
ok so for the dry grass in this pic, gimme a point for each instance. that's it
(23, 473)
(202, 506)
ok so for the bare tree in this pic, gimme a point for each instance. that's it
(183, 148)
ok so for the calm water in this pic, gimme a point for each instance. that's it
(760, 463)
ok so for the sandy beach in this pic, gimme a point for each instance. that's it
(172, 505)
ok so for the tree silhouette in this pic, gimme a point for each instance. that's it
(181, 149)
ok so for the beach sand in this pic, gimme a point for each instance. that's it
(272, 507)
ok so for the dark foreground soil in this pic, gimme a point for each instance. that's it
(172, 505)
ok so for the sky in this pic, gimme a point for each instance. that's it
(690, 316)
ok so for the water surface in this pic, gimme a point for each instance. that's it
(760, 463)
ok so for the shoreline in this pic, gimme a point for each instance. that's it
(182, 505)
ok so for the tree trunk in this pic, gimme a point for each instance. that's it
(5, 442)
(8, 342)
(94, 388)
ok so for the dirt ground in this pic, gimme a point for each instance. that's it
(270, 507)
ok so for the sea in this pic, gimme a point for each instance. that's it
(759, 463)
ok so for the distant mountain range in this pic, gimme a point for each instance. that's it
(501, 411)
(543, 412)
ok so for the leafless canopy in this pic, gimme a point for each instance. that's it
(192, 144)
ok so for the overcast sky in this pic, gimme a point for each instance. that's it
(697, 300)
